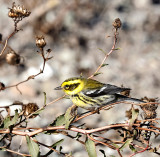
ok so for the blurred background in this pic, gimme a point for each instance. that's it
(75, 30)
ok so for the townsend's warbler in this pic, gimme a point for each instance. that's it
(91, 94)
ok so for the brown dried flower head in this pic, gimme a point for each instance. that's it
(117, 23)
(2, 86)
(13, 58)
(18, 12)
(146, 99)
(40, 42)
(149, 109)
(29, 109)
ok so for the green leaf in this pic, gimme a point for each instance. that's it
(90, 148)
(57, 143)
(38, 111)
(126, 144)
(116, 48)
(54, 146)
(95, 74)
(33, 147)
(102, 50)
(69, 116)
(103, 65)
(115, 145)
(45, 98)
(135, 113)
(59, 121)
(78, 136)
(132, 148)
(8, 121)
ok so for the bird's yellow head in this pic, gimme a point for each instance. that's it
(72, 86)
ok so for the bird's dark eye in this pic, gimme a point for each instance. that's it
(66, 87)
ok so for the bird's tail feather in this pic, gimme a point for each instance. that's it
(125, 98)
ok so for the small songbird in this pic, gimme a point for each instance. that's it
(91, 94)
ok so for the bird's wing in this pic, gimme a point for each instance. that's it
(104, 90)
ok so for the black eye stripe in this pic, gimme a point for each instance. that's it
(71, 87)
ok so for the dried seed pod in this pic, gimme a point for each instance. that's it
(117, 23)
(149, 109)
(13, 58)
(40, 42)
(17, 13)
(146, 99)
(2, 86)
(29, 109)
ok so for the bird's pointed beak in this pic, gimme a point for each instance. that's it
(58, 88)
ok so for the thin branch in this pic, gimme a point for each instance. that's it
(147, 120)
(106, 107)
(32, 76)
(140, 151)
(43, 107)
(49, 147)
(146, 129)
(110, 105)
(6, 42)
(55, 100)
(11, 151)
(107, 55)
(106, 144)
(119, 153)
(83, 131)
